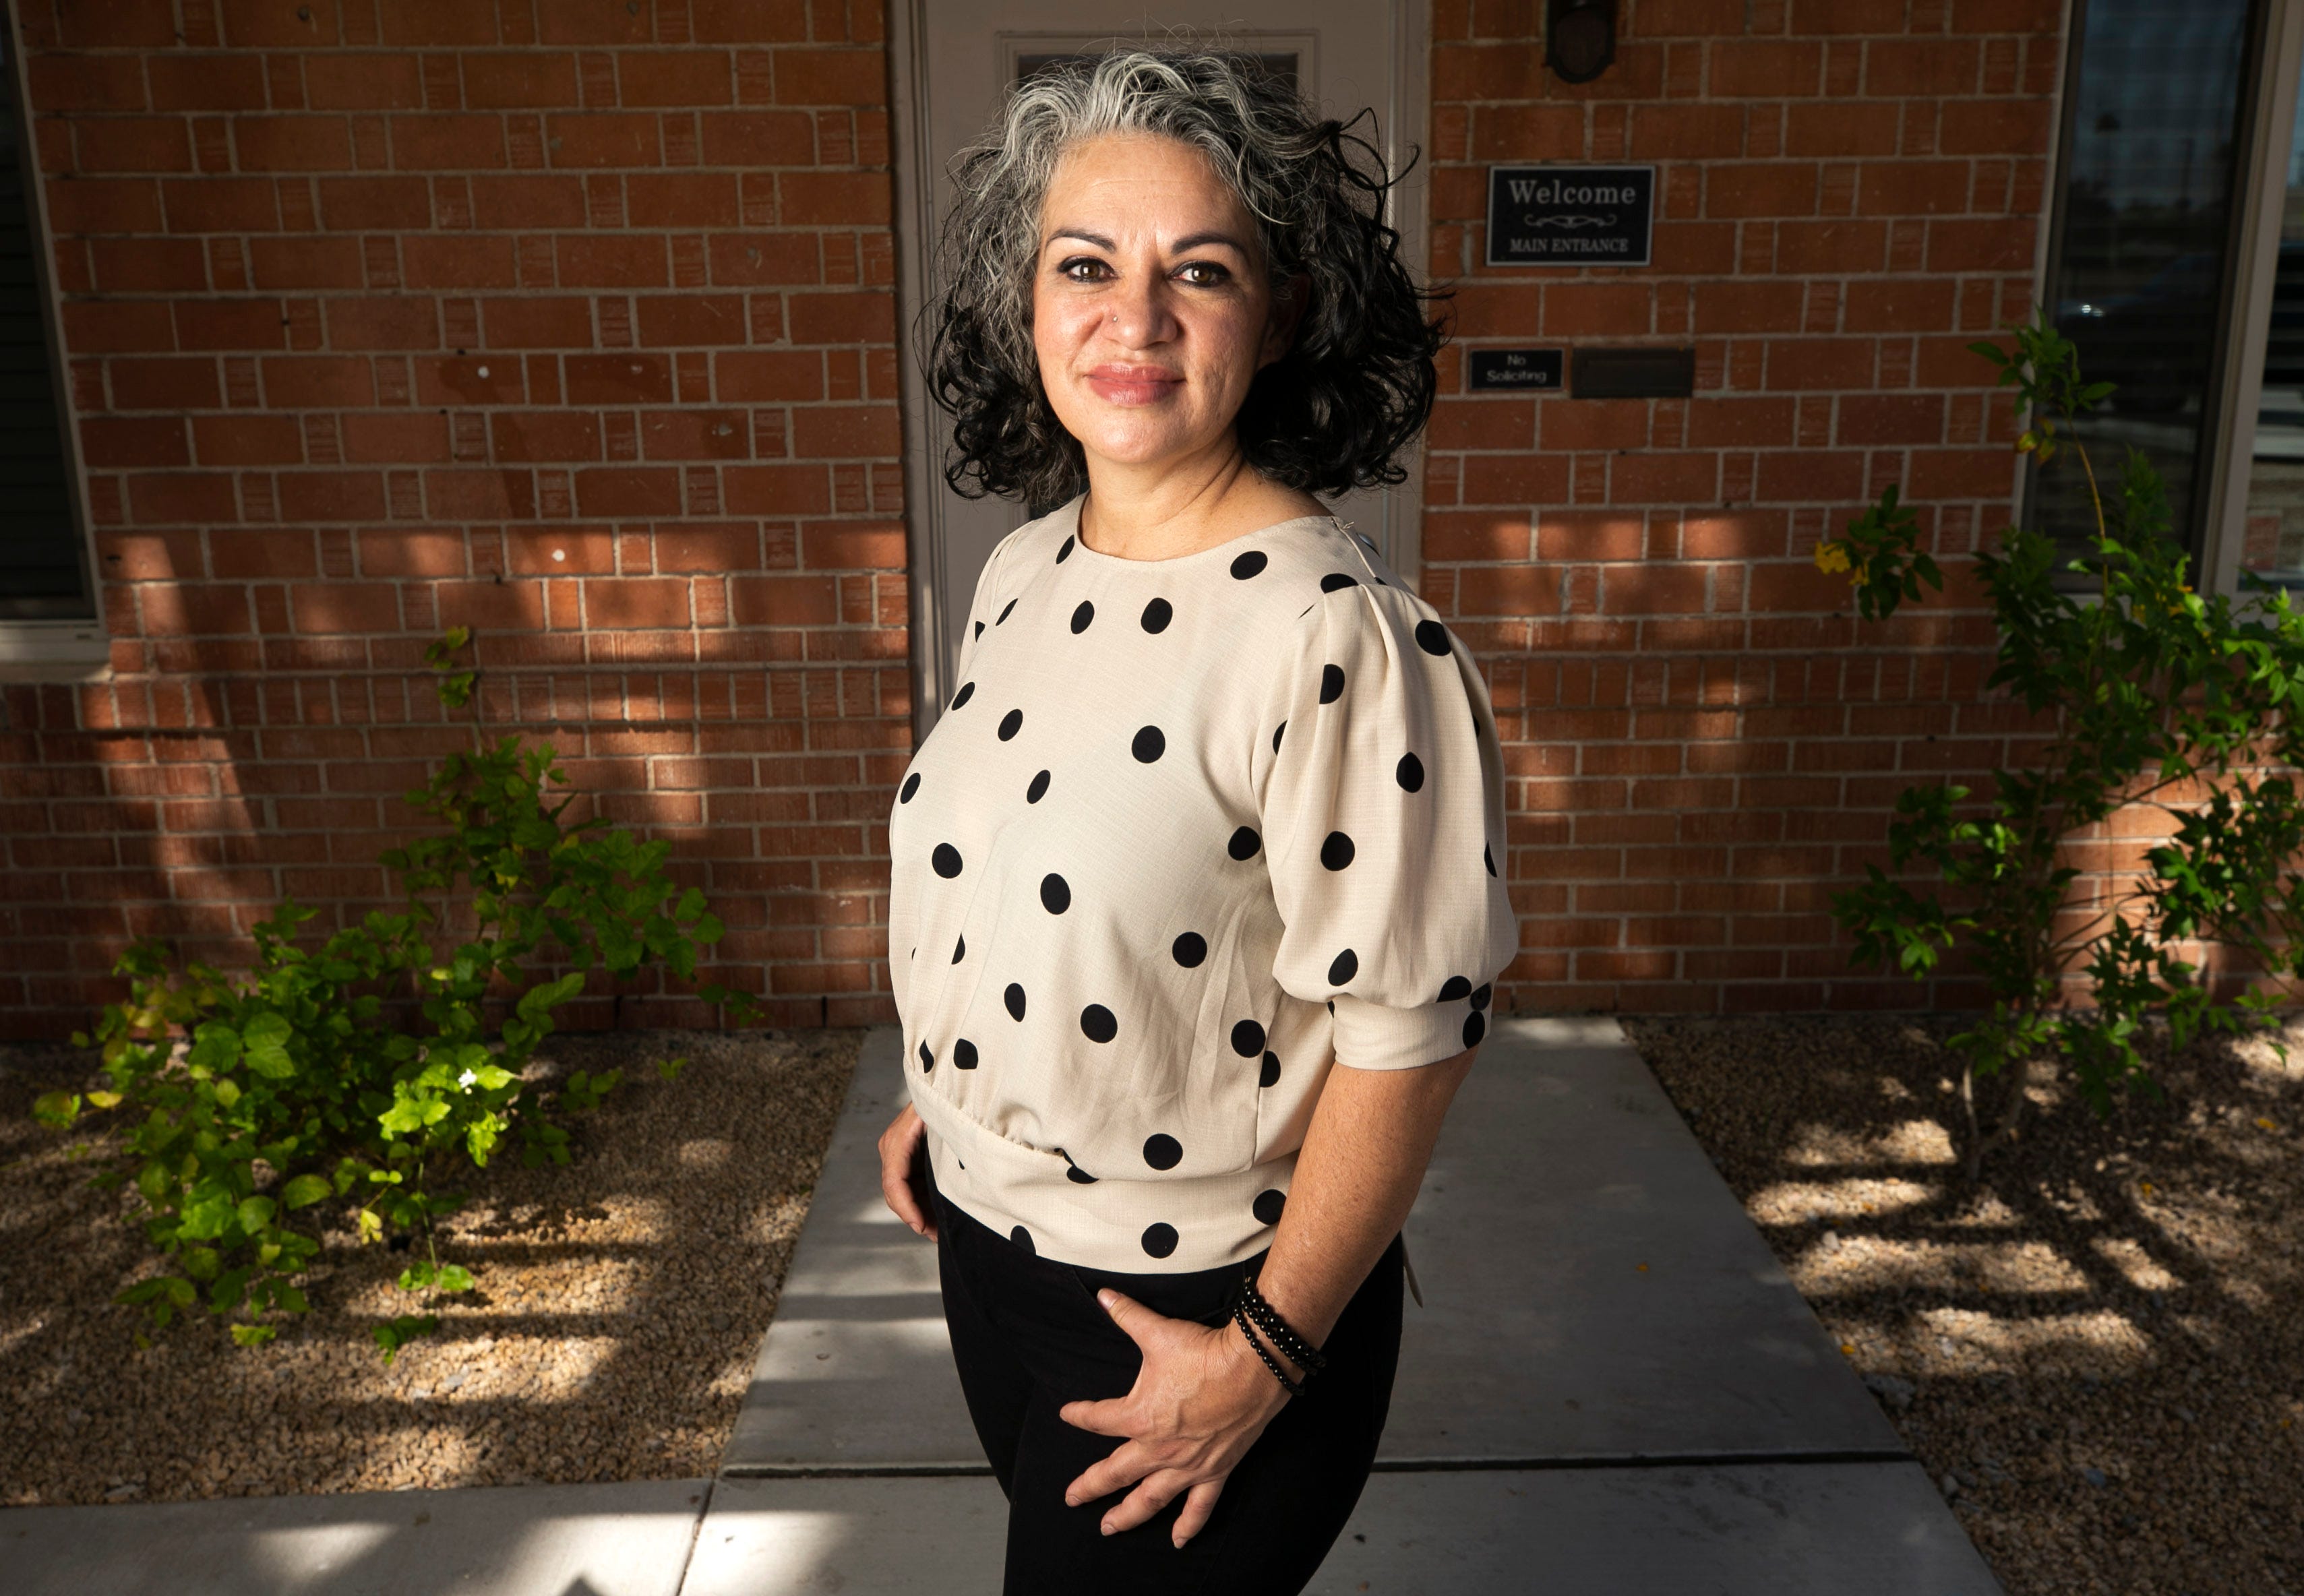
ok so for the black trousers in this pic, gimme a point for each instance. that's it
(1029, 1336)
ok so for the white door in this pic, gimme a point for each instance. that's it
(953, 60)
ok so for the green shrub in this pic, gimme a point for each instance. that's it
(2146, 696)
(254, 1106)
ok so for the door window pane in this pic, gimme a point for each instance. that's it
(2274, 544)
(2148, 176)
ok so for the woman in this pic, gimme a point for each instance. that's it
(1195, 905)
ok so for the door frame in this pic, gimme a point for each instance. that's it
(1406, 120)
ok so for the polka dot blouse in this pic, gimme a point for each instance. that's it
(1188, 831)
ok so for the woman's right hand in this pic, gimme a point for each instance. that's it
(901, 1144)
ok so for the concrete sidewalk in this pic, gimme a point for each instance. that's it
(1565, 1422)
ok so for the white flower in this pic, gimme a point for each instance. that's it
(467, 1078)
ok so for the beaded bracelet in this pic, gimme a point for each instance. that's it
(1284, 1335)
(1239, 1317)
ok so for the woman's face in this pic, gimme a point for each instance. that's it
(1151, 310)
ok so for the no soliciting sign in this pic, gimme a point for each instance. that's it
(1570, 216)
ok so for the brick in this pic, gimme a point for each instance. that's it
(683, 79)
(309, 382)
(820, 76)
(597, 141)
(521, 80)
(528, 200)
(537, 323)
(290, 263)
(292, 143)
(368, 80)
(1686, 132)
(396, 438)
(458, 262)
(1884, 420)
(382, 324)
(754, 139)
(1760, 189)
(1766, 69)
(449, 143)
(695, 199)
(377, 204)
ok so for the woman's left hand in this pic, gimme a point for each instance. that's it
(1199, 1402)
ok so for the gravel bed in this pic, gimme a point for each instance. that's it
(620, 1304)
(2098, 1352)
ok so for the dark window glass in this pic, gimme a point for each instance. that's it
(2143, 242)
(43, 574)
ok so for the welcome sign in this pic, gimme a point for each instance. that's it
(1570, 216)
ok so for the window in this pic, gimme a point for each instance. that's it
(47, 600)
(2143, 241)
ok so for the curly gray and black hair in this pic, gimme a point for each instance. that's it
(1355, 387)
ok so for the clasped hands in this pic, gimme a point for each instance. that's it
(1199, 1401)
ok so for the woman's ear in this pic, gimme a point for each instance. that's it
(1287, 313)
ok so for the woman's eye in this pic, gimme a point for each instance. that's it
(1082, 269)
(1212, 274)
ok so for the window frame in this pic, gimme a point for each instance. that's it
(2270, 132)
(2205, 539)
(67, 647)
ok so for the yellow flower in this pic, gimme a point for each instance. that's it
(1831, 557)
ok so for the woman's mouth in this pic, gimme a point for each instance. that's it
(1134, 385)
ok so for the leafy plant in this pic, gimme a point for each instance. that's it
(262, 1103)
(2160, 712)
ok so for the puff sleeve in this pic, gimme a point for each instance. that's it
(1381, 793)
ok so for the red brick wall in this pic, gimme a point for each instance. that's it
(1702, 742)
(570, 320)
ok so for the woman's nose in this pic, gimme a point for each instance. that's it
(1138, 313)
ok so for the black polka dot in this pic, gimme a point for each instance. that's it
(963, 1054)
(1488, 858)
(1097, 1023)
(1004, 611)
(1276, 730)
(1338, 578)
(1269, 1074)
(1336, 850)
(1244, 843)
(1455, 987)
(1268, 1205)
(1475, 1027)
(1248, 1039)
(1162, 1152)
(958, 949)
(928, 1058)
(1056, 893)
(1332, 1005)
(1014, 998)
(912, 786)
(1343, 968)
(1081, 616)
(967, 691)
(1023, 1238)
(1410, 773)
(1242, 568)
(980, 625)
(1190, 949)
(946, 860)
(1073, 1172)
(1432, 638)
(1160, 1240)
(1480, 994)
(1064, 552)
(1010, 723)
(1331, 683)
(1157, 614)
(1038, 789)
(1149, 744)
